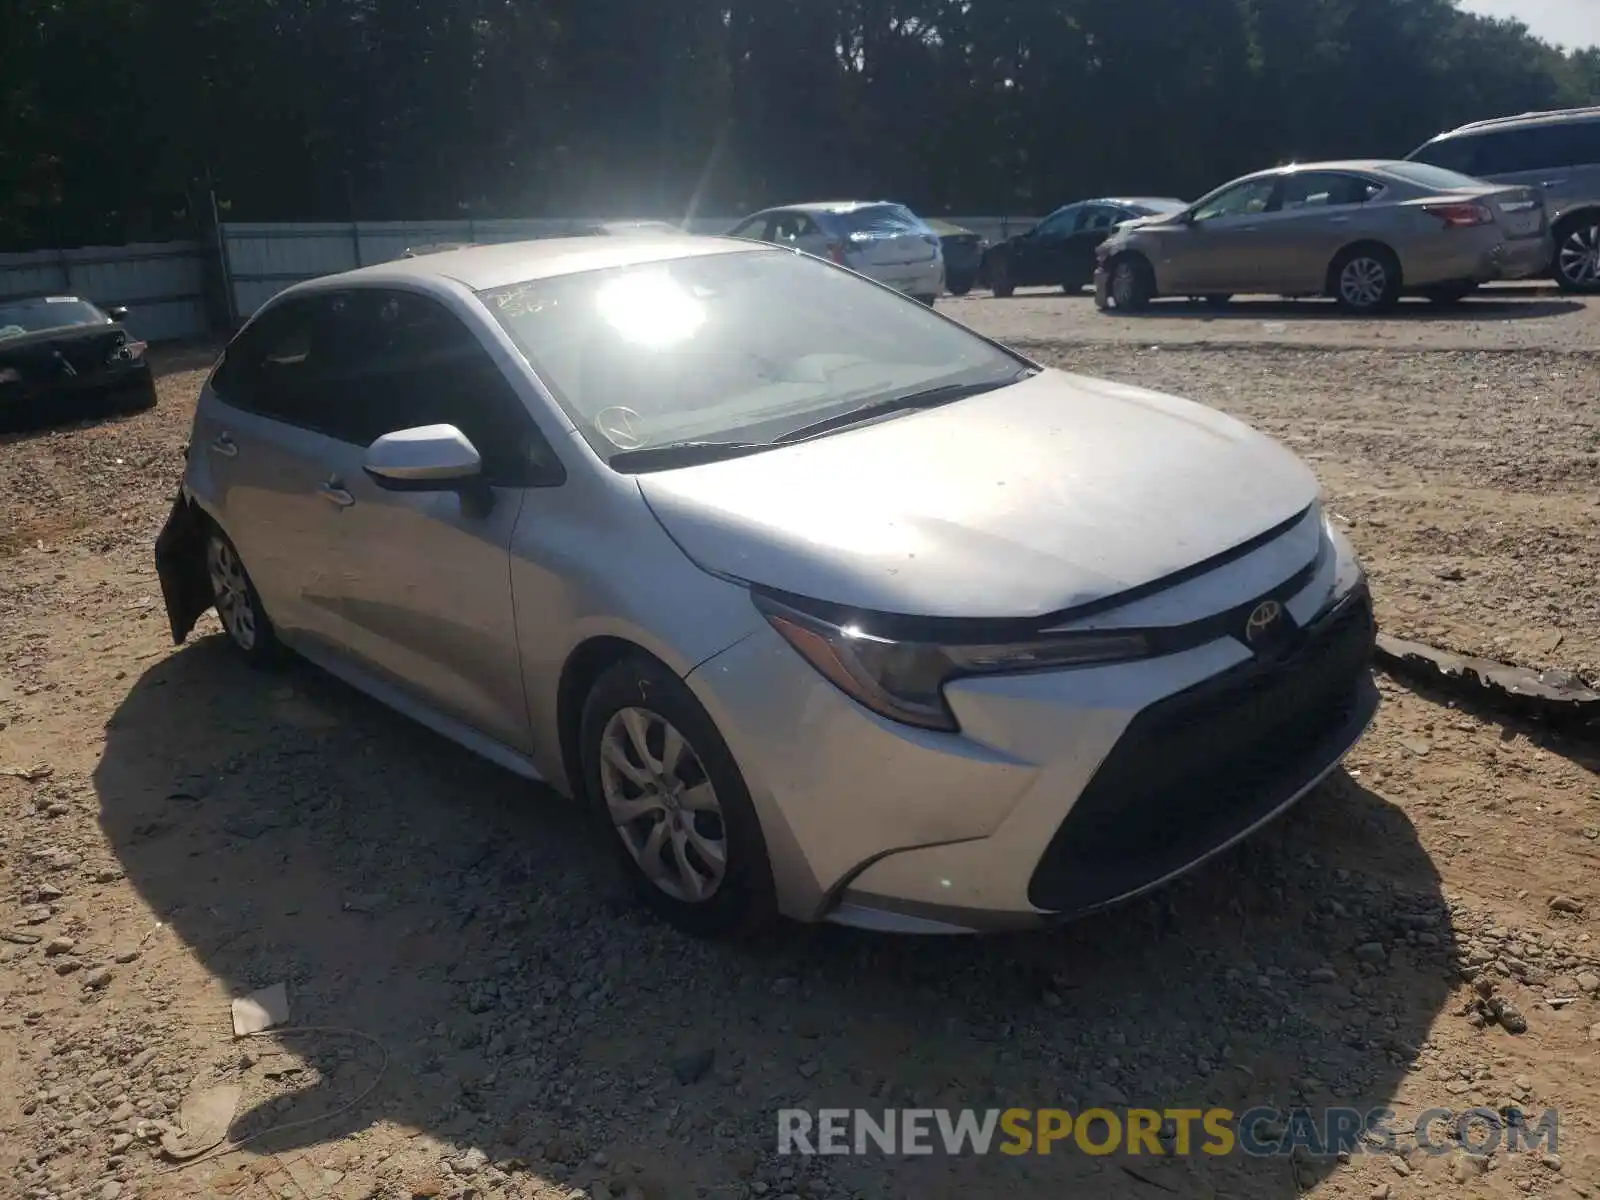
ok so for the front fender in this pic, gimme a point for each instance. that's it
(181, 565)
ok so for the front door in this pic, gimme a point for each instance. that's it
(421, 593)
(1214, 252)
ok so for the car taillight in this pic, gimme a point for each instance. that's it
(1460, 216)
(128, 352)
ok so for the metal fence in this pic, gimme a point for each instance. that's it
(162, 284)
(259, 261)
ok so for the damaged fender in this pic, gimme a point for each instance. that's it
(181, 564)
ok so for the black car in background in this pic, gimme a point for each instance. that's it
(962, 250)
(1059, 250)
(61, 356)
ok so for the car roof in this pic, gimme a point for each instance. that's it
(491, 266)
(1137, 200)
(1554, 116)
(831, 206)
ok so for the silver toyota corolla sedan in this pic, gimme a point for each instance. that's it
(826, 605)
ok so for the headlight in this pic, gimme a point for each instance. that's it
(904, 680)
(128, 352)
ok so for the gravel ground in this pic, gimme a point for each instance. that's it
(486, 1015)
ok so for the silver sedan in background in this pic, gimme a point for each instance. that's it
(883, 241)
(825, 605)
(1362, 232)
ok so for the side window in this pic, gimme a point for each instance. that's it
(753, 229)
(1510, 150)
(1453, 154)
(1585, 137)
(1241, 200)
(1059, 223)
(1325, 189)
(392, 360)
(789, 227)
(267, 369)
(1099, 217)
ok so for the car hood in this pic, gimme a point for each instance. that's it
(1039, 497)
(43, 352)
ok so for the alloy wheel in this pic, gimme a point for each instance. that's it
(1125, 285)
(663, 805)
(231, 588)
(1578, 258)
(1363, 282)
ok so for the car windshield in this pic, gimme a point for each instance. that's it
(878, 220)
(21, 317)
(1433, 178)
(733, 347)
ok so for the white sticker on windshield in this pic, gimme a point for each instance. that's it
(60, 299)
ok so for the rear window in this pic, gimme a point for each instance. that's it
(881, 219)
(21, 317)
(1435, 178)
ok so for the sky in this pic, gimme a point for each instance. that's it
(1569, 23)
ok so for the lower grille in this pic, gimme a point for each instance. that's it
(1197, 769)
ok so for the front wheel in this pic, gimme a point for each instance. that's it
(661, 778)
(1577, 263)
(1365, 280)
(239, 604)
(1000, 279)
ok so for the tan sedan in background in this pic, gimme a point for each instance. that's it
(1361, 231)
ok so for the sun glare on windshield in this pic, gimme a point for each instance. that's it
(650, 309)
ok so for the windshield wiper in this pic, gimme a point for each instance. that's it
(927, 398)
(681, 454)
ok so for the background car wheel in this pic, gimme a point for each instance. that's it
(1132, 283)
(663, 781)
(1449, 293)
(1217, 300)
(238, 604)
(1000, 279)
(959, 286)
(1577, 262)
(1365, 279)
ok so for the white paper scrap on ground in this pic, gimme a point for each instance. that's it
(260, 1010)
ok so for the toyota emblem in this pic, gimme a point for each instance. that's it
(1261, 620)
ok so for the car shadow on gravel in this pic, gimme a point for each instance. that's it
(288, 829)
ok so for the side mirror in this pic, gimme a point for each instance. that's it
(117, 312)
(429, 458)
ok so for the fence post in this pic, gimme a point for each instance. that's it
(229, 303)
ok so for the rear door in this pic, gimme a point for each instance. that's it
(262, 466)
(1318, 213)
(887, 241)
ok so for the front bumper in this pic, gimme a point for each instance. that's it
(1065, 791)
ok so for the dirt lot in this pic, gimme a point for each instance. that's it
(485, 1014)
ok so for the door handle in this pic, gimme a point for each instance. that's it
(336, 495)
(224, 445)
(1550, 183)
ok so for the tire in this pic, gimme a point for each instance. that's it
(1000, 279)
(960, 285)
(1577, 260)
(1365, 279)
(1217, 300)
(623, 744)
(1132, 283)
(1449, 293)
(239, 606)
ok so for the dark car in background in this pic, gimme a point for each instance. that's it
(1059, 250)
(61, 356)
(963, 255)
